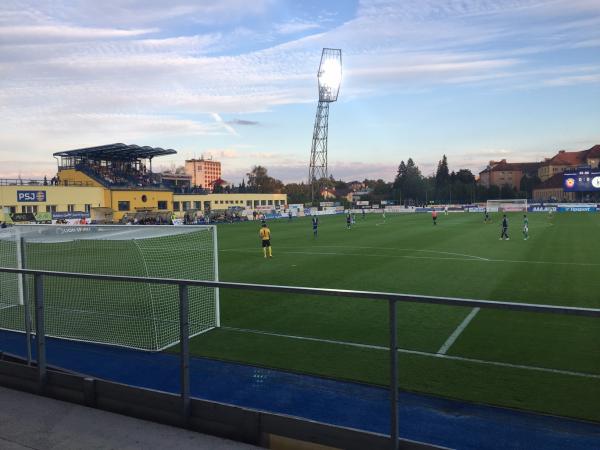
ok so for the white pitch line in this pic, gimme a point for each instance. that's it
(425, 354)
(466, 258)
(459, 329)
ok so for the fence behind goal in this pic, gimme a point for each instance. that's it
(136, 315)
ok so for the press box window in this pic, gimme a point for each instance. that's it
(123, 206)
(162, 205)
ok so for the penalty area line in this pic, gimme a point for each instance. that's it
(425, 354)
(459, 329)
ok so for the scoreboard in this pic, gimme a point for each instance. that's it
(583, 179)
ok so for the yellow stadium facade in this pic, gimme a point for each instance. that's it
(76, 194)
(115, 181)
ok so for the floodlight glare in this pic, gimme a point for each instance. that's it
(329, 77)
(330, 74)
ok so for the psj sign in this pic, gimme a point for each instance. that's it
(31, 196)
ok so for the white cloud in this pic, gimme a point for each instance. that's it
(47, 33)
(90, 70)
(296, 26)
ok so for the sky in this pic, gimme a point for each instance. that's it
(236, 80)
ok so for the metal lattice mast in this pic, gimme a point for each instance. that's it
(329, 78)
(318, 153)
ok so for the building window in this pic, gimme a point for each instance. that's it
(71, 208)
(29, 209)
(249, 203)
(186, 205)
(12, 209)
(51, 208)
(176, 206)
(162, 205)
(197, 205)
(88, 208)
(263, 202)
(270, 202)
(123, 205)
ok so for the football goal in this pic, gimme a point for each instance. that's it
(508, 205)
(136, 315)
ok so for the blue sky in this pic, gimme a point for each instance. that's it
(236, 79)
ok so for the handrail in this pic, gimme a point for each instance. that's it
(183, 285)
(329, 292)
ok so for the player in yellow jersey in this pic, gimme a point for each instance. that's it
(265, 236)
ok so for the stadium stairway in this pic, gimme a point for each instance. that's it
(423, 418)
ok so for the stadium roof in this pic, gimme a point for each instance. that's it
(113, 152)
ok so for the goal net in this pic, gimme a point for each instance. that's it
(509, 205)
(136, 315)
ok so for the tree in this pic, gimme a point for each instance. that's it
(259, 181)
(297, 192)
(506, 191)
(442, 175)
(529, 183)
(442, 180)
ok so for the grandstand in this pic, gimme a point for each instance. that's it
(113, 165)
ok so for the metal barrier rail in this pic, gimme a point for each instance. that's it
(391, 298)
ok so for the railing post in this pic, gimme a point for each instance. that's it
(184, 355)
(40, 330)
(22, 278)
(393, 374)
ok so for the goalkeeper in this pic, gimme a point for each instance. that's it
(265, 237)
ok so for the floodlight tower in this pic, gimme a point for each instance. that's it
(329, 78)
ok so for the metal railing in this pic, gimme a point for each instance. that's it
(43, 183)
(391, 298)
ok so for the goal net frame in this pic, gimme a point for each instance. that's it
(507, 205)
(100, 311)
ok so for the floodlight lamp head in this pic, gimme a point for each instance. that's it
(330, 74)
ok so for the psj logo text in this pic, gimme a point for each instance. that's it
(31, 196)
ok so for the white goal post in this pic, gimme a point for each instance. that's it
(135, 315)
(507, 205)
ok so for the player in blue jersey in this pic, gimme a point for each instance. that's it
(315, 225)
(504, 228)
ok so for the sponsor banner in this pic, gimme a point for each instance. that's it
(22, 217)
(537, 208)
(43, 217)
(31, 196)
(70, 215)
(326, 204)
(362, 203)
(577, 208)
(476, 209)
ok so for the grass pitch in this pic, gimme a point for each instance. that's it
(541, 362)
